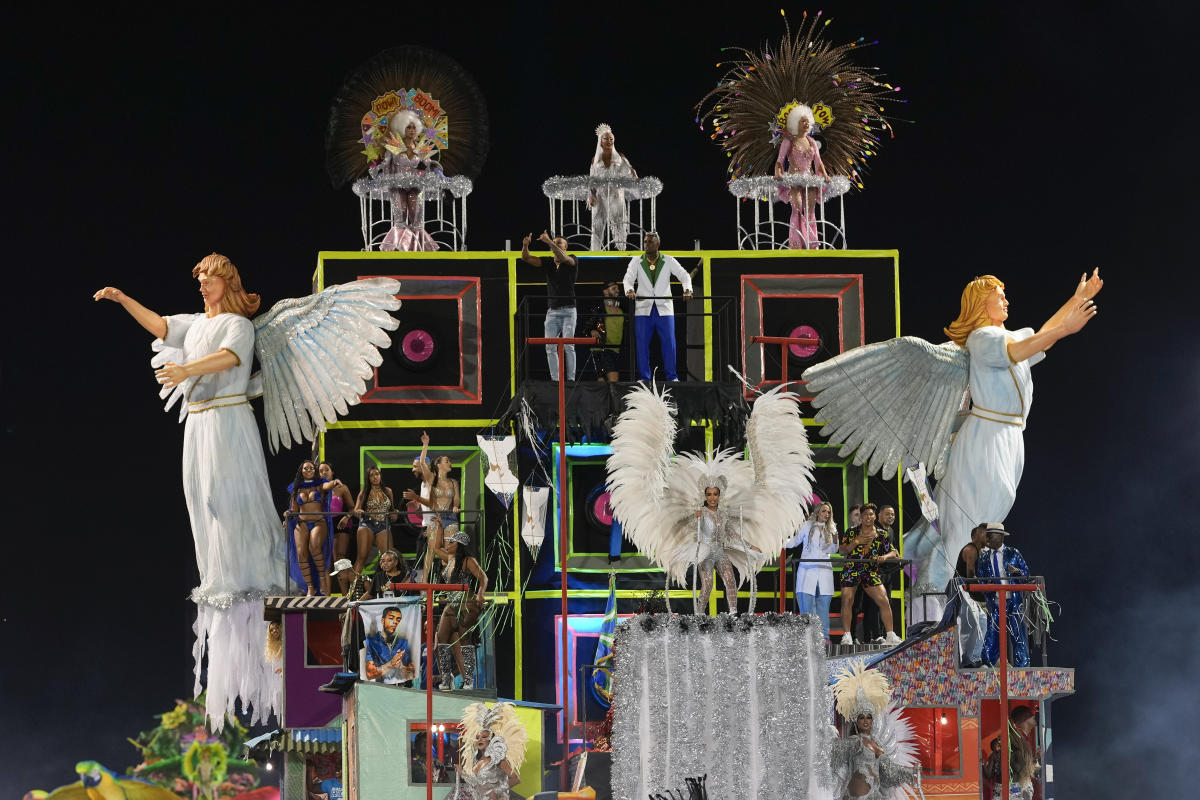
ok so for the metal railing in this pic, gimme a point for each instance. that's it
(690, 337)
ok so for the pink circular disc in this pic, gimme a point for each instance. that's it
(601, 509)
(417, 345)
(803, 332)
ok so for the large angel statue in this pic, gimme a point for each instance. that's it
(899, 403)
(315, 354)
(718, 512)
(877, 758)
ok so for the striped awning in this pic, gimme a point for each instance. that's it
(300, 740)
(276, 606)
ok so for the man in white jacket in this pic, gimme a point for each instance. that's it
(649, 276)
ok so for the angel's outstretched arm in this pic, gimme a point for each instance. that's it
(1079, 312)
(1087, 289)
(145, 317)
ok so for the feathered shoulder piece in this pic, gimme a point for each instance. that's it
(749, 107)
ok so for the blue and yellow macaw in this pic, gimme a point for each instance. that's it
(99, 783)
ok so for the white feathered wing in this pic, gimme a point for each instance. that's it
(895, 402)
(317, 352)
(896, 736)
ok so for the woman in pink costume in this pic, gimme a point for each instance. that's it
(799, 150)
(407, 152)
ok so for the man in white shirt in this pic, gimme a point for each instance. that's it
(649, 276)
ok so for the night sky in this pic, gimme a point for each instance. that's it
(1046, 140)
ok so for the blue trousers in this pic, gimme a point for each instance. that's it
(1018, 640)
(815, 604)
(644, 327)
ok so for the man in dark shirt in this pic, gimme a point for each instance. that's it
(560, 293)
(971, 616)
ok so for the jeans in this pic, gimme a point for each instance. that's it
(560, 324)
(815, 604)
(972, 620)
(644, 328)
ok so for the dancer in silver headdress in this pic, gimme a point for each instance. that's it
(751, 505)
(610, 219)
(878, 757)
(492, 750)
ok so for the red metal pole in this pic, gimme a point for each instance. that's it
(783, 353)
(784, 343)
(560, 344)
(430, 654)
(1002, 591)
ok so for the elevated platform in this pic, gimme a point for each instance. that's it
(593, 406)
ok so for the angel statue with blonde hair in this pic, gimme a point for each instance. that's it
(716, 512)
(877, 758)
(491, 751)
(316, 354)
(975, 391)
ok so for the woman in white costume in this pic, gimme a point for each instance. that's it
(817, 538)
(610, 218)
(239, 547)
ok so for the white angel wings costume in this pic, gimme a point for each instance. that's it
(316, 354)
(655, 494)
(897, 404)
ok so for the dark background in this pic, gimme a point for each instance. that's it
(1048, 139)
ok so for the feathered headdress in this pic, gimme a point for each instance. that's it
(415, 79)
(509, 736)
(748, 109)
(861, 692)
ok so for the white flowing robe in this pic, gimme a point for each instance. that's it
(235, 527)
(988, 452)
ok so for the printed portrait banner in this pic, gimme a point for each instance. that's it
(387, 656)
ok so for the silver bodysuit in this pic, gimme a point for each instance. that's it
(851, 756)
(715, 537)
(489, 783)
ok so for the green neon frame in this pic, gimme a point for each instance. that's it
(705, 256)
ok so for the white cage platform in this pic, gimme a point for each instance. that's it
(764, 230)
(571, 218)
(443, 205)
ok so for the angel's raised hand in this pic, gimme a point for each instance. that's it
(1089, 287)
(1081, 313)
(109, 293)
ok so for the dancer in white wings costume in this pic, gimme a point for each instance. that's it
(666, 503)
(897, 403)
(315, 353)
(878, 757)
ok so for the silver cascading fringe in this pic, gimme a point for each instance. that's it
(740, 699)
